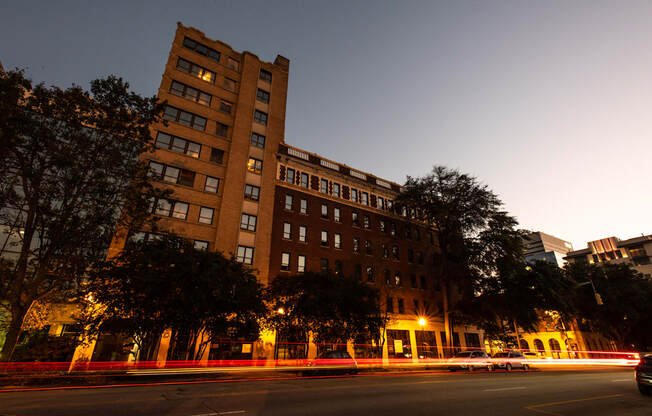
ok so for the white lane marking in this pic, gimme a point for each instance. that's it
(621, 380)
(233, 412)
(506, 388)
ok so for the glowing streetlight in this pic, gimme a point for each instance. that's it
(280, 311)
(422, 321)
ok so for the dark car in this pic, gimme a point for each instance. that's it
(509, 360)
(332, 362)
(644, 375)
(471, 361)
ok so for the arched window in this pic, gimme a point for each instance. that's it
(538, 345)
(524, 345)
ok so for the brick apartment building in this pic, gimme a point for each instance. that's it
(240, 189)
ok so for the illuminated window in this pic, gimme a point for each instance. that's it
(303, 208)
(354, 218)
(324, 211)
(248, 222)
(371, 276)
(324, 238)
(201, 245)
(196, 70)
(395, 252)
(392, 229)
(287, 230)
(245, 255)
(381, 226)
(337, 213)
(364, 198)
(255, 166)
(337, 240)
(302, 233)
(301, 264)
(285, 261)
(366, 221)
(397, 278)
(288, 202)
(356, 245)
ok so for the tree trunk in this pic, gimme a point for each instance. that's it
(518, 338)
(447, 321)
(17, 317)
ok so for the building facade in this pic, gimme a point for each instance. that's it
(540, 246)
(635, 251)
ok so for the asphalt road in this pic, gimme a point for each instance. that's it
(594, 393)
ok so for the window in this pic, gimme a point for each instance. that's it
(324, 186)
(381, 203)
(354, 195)
(302, 233)
(285, 261)
(401, 306)
(201, 49)
(367, 247)
(336, 190)
(395, 252)
(211, 184)
(390, 304)
(324, 238)
(289, 175)
(397, 278)
(323, 265)
(200, 245)
(226, 107)
(248, 222)
(206, 215)
(177, 144)
(255, 166)
(229, 84)
(217, 156)
(190, 93)
(337, 240)
(413, 280)
(324, 211)
(417, 234)
(303, 206)
(260, 117)
(388, 277)
(184, 118)
(252, 192)
(338, 267)
(364, 198)
(258, 140)
(304, 180)
(416, 305)
(233, 64)
(385, 251)
(265, 76)
(408, 232)
(175, 209)
(392, 229)
(366, 222)
(371, 277)
(422, 280)
(357, 272)
(287, 230)
(354, 218)
(262, 96)
(410, 255)
(301, 264)
(356, 245)
(172, 174)
(337, 214)
(245, 255)
(222, 130)
(288, 202)
(196, 70)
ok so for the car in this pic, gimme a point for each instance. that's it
(644, 375)
(471, 361)
(509, 360)
(332, 362)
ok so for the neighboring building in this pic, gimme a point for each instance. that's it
(635, 251)
(545, 247)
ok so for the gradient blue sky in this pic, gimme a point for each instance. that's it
(550, 103)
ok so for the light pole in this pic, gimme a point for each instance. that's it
(598, 298)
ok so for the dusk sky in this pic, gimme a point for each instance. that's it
(549, 103)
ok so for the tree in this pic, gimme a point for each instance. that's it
(167, 284)
(624, 315)
(330, 307)
(71, 177)
(474, 236)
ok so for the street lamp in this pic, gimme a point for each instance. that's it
(598, 298)
(422, 322)
(280, 311)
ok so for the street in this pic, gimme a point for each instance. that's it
(595, 392)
